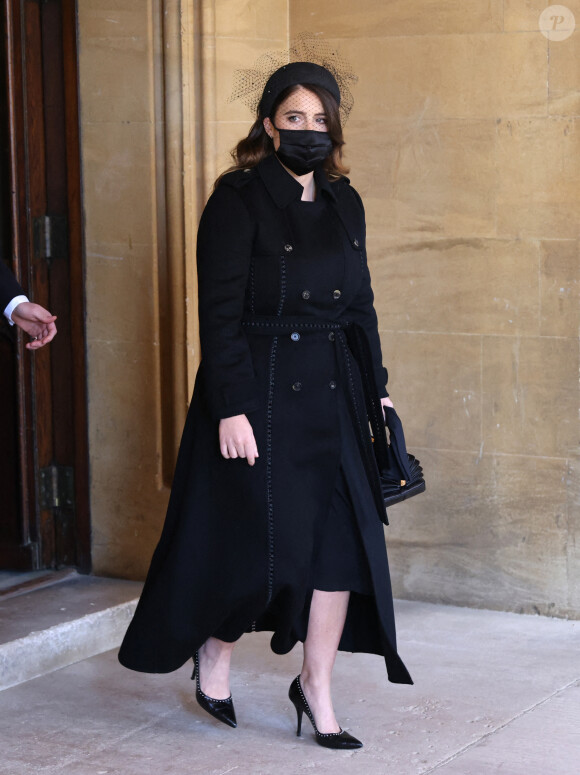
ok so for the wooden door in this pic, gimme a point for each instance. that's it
(44, 520)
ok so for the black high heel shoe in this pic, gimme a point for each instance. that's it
(341, 740)
(223, 710)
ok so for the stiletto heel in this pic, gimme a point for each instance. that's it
(341, 740)
(222, 710)
(299, 725)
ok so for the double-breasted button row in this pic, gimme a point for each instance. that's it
(297, 386)
(336, 294)
(295, 336)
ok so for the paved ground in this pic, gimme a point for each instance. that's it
(494, 693)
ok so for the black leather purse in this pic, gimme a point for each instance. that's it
(400, 472)
(401, 475)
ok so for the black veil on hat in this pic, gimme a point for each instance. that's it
(308, 60)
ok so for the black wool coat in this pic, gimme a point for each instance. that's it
(280, 282)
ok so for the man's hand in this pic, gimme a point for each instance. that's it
(37, 322)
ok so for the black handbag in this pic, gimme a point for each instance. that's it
(400, 472)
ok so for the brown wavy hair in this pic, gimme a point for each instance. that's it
(258, 144)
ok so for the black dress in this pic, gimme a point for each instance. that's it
(282, 285)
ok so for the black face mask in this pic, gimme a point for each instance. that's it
(302, 149)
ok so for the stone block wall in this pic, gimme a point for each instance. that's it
(117, 41)
(464, 143)
(154, 80)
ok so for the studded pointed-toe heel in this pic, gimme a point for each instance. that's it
(222, 710)
(340, 740)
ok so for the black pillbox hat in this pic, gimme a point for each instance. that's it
(295, 73)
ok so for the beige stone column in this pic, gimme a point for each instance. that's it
(178, 203)
(156, 130)
(122, 184)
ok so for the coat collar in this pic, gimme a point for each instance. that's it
(283, 188)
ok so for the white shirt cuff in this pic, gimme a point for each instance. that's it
(12, 306)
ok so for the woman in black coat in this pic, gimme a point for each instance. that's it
(274, 521)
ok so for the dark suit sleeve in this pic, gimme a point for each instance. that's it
(9, 287)
(362, 311)
(224, 250)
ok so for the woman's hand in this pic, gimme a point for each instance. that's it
(386, 402)
(237, 438)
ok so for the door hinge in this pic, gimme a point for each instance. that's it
(57, 487)
(50, 235)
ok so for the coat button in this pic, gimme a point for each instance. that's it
(288, 248)
(305, 295)
(332, 384)
(336, 294)
(295, 336)
(355, 243)
(331, 336)
(297, 386)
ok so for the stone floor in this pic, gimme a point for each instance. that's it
(494, 693)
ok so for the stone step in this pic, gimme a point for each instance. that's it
(53, 626)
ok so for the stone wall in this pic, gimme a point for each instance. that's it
(464, 143)
(117, 42)
(154, 128)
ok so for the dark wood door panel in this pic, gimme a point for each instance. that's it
(46, 247)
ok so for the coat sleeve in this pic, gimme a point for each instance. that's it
(224, 250)
(9, 287)
(362, 311)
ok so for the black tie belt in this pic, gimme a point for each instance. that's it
(363, 400)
